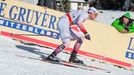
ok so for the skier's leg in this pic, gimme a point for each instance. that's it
(66, 43)
(60, 48)
(73, 57)
(63, 28)
(78, 45)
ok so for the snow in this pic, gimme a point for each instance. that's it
(12, 64)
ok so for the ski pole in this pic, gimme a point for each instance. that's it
(12, 34)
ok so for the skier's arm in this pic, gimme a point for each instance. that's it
(117, 25)
(82, 28)
(82, 18)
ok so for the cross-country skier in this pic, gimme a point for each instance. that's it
(70, 27)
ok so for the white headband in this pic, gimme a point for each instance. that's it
(92, 10)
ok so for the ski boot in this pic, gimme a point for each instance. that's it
(52, 58)
(74, 59)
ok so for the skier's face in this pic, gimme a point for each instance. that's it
(125, 20)
(92, 16)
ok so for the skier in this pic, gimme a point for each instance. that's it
(124, 24)
(71, 28)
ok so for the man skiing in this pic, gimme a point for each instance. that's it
(71, 28)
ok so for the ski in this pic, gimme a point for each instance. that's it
(69, 64)
(64, 63)
(89, 67)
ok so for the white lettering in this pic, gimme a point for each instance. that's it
(24, 27)
(18, 26)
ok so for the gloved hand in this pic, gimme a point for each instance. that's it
(87, 36)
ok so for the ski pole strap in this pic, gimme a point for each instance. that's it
(69, 18)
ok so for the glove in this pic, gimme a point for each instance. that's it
(87, 36)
